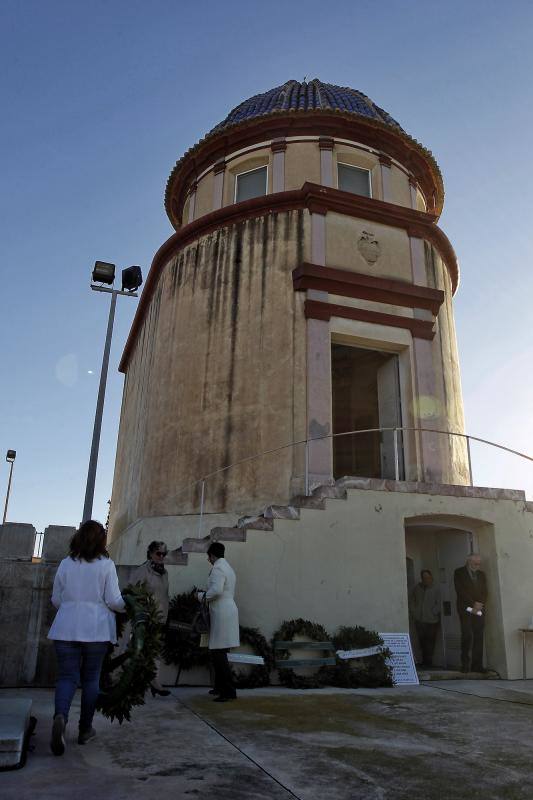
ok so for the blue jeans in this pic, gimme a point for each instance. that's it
(78, 663)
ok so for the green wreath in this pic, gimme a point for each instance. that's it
(180, 647)
(259, 674)
(122, 689)
(299, 627)
(370, 672)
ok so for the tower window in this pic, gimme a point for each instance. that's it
(354, 179)
(251, 184)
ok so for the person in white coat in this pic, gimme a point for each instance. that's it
(224, 621)
(85, 593)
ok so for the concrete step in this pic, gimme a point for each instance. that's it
(312, 502)
(15, 723)
(221, 534)
(196, 545)
(257, 523)
(331, 492)
(281, 512)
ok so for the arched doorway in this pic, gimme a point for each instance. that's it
(433, 545)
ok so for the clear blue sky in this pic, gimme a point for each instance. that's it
(99, 100)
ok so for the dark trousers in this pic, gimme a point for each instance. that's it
(427, 633)
(472, 628)
(78, 663)
(223, 684)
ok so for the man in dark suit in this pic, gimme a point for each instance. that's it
(471, 587)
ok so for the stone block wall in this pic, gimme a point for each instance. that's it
(26, 612)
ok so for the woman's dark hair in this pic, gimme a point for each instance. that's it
(155, 546)
(89, 541)
(216, 549)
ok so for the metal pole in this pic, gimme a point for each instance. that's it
(8, 492)
(93, 460)
(470, 478)
(307, 467)
(201, 509)
(396, 456)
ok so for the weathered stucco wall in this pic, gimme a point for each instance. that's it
(218, 374)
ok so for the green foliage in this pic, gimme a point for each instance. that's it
(126, 678)
(181, 647)
(305, 629)
(257, 675)
(371, 671)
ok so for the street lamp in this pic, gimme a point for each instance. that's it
(10, 458)
(104, 273)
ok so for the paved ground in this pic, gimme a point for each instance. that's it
(439, 741)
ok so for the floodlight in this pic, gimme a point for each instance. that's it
(103, 272)
(11, 456)
(131, 279)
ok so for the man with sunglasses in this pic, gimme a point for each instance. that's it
(154, 575)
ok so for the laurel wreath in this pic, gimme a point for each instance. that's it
(259, 674)
(370, 672)
(306, 629)
(126, 678)
(182, 648)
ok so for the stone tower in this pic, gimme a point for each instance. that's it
(307, 291)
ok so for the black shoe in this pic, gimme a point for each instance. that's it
(57, 743)
(213, 691)
(86, 736)
(162, 692)
(223, 698)
(464, 669)
(480, 670)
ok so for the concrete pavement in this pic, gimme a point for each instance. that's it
(438, 741)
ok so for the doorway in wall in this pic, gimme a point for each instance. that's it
(440, 550)
(366, 394)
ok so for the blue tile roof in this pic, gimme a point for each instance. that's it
(306, 96)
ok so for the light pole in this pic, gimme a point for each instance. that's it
(104, 273)
(10, 458)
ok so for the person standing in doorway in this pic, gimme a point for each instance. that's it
(471, 588)
(224, 621)
(155, 577)
(86, 594)
(425, 604)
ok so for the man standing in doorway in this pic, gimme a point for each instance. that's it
(471, 587)
(425, 609)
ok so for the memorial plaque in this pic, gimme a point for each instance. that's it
(401, 660)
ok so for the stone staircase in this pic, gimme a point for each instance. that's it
(336, 490)
(265, 520)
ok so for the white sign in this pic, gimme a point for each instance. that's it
(344, 655)
(245, 658)
(401, 660)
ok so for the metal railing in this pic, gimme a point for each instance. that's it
(398, 448)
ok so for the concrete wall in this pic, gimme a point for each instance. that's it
(26, 613)
(346, 565)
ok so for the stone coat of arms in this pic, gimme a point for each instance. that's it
(369, 247)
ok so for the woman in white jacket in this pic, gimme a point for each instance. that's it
(85, 593)
(224, 621)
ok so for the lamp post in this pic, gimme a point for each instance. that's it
(10, 458)
(104, 273)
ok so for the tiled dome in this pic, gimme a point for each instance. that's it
(306, 96)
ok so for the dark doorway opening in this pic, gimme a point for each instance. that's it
(366, 394)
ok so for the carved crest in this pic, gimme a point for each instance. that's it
(369, 247)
